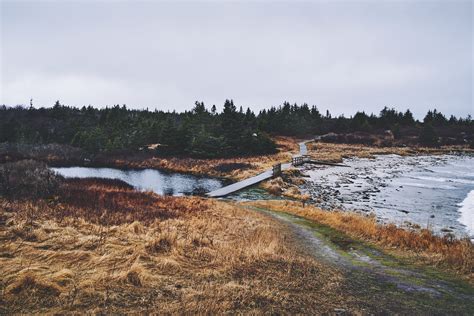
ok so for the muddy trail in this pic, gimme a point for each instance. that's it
(383, 283)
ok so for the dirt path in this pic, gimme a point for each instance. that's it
(381, 281)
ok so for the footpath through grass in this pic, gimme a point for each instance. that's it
(391, 282)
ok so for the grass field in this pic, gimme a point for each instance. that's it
(103, 247)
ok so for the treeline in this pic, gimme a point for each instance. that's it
(299, 120)
(435, 129)
(197, 133)
(204, 132)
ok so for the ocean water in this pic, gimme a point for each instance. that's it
(435, 192)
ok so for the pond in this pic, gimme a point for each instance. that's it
(158, 181)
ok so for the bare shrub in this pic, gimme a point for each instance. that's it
(43, 152)
(28, 179)
(231, 166)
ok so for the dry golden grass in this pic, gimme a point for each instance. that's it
(274, 186)
(139, 252)
(336, 152)
(452, 254)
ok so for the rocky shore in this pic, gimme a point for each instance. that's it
(414, 191)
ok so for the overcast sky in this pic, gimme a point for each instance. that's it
(342, 56)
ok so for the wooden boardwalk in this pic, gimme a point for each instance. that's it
(241, 184)
(254, 180)
(297, 160)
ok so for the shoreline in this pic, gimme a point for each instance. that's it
(235, 168)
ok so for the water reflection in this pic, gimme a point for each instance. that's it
(160, 182)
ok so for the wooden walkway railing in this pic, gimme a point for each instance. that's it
(299, 160)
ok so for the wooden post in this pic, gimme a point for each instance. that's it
(276, 170)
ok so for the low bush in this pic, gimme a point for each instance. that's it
(28, 179)
(228, 167)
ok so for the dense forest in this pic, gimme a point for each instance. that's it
(206, 133)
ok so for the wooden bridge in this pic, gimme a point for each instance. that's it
(274, 172)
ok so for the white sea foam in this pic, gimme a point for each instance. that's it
(441, 179)
(467, 212)
(427, 186)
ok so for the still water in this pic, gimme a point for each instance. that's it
(160, 182)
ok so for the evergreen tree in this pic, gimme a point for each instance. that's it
(428, 135)
(408, 119)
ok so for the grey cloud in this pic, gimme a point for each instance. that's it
(345, 56)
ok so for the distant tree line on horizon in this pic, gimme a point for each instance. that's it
(206, 133)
